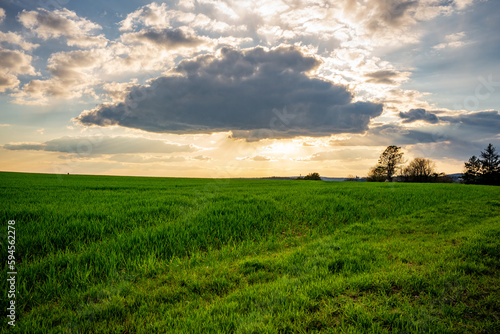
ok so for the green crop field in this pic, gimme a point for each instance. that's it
(101, 254)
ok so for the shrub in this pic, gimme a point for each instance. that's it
(311, 176)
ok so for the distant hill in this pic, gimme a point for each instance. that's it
(333, 178)
(455, 177)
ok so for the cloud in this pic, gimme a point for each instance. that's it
(204, 18)
(387, 77)
(394, 134)
(393, 13)
(201, 157)
(2, 14)
(97, 145)
(118, 91)
(240, 90)
(16, 39)
(75, 65)
(324, 24)
(166, 38)
(152, 15)
(36, 91)
(260, 158)
(486, 121)
(13, 63)
(87, 41)
(452, 130)
(72, 73)
(462, 4)
(452, 41)
(82, 72)
(8, 81)
(414, 115)
(63, 22)
(16, 62)
(139, 159)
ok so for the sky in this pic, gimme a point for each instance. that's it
(223, 88)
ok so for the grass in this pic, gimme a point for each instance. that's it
(97, 254)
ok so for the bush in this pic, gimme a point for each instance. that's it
(311, 176)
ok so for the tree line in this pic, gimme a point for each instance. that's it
(389, 168)
(483, 170)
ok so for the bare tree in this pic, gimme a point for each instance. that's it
(420, 170)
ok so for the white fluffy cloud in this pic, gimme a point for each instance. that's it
(152, 15)
(63, 22)
(16, 62)
(375, 21)
(453, 41)
(73, 74)
(16, 39)
(12, 64)
(8, 81)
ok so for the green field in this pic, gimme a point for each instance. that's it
(101, 254)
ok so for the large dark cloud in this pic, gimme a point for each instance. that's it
(488, 121)
(102, 145)
(238, 90)
(414, 115)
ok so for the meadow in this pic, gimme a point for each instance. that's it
(103, 254)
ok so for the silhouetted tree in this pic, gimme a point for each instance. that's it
(490, 165)
(420, 170)
(376, 174)
(388, 163)
(312, 176)
(472, 171)
(485, 170)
